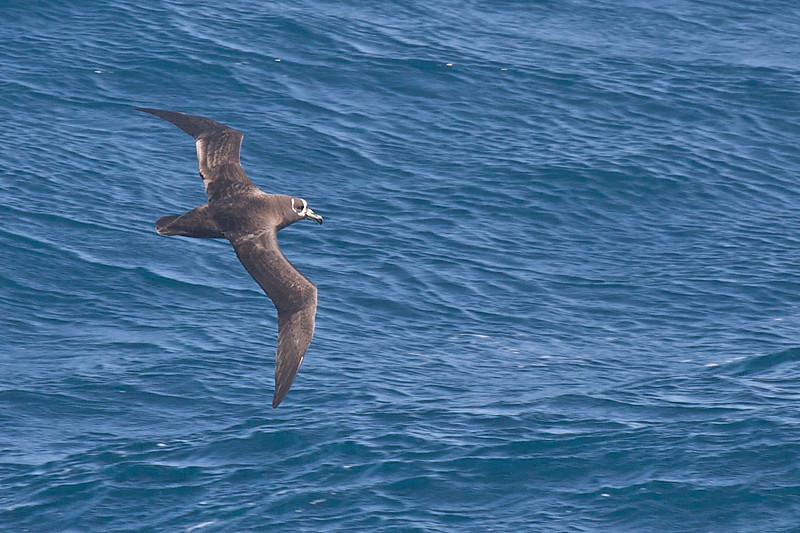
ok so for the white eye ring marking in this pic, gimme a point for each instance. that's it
(301, 212)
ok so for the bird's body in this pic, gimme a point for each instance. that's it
(249, 218)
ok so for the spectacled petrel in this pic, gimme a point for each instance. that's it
(249, 218)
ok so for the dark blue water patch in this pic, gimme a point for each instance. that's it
(781, 362)
(557, 272)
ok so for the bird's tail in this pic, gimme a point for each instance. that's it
(163, 225)
(196, 223)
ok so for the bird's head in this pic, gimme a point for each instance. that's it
(301, 210)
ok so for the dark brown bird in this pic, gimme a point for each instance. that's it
(249, 218)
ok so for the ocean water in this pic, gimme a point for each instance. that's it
(559, 274)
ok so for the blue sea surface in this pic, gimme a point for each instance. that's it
(559, 275)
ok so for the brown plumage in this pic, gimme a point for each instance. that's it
(249, 218)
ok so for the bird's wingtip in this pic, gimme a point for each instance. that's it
(280, 395)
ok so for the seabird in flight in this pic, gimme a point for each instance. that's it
(249, 218)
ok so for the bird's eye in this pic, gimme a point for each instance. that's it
(299, 205)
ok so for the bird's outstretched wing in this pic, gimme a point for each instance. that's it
(218, 148)
(294, 296)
